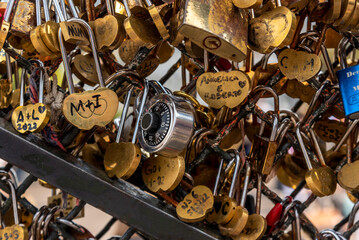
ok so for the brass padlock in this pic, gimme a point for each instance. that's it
(222, 29)
(24, 18)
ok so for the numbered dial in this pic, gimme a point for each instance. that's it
(156, 123)
(166, 125)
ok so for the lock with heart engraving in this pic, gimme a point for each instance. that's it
(348, 83)
(167, 123)
(94, 107)
(32, 117)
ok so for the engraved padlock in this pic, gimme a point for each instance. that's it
(216, 26)
(167, 124)
(349, 83)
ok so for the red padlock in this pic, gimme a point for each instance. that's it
(275, 214)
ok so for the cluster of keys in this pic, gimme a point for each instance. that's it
(204, 146)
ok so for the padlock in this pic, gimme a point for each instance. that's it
(90, 108)
(347, 177)
(5, 26)
(122, 158)
(32, 117)
(226, 38)
(224, 206)
(109, 30)
(73, 30)
(35, 35)
(195, 205)
(322, 180)
(348, 83)
(256, 225)
(235, 226)
(274, 28)
(167, 123)
(139, 30)
(155, 15)
(17, 231)
(264, 72)
(266, 159)
(23, 20)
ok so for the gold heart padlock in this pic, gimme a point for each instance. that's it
(90, 108)
(32, 117)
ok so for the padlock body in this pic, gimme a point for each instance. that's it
(349, 89)
(216, 26)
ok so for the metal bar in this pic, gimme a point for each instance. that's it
(118, 198)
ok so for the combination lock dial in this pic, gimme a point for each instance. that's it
(156, 123)
(167, 125)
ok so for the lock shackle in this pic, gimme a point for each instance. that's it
(46, 10)
(352, 215)
(125, 110)
(8, 10)
(314, 100)
(127, 8)
(302, 146)
(42, 79)
(124, 114)
(73, 9)
(316, 146)
(351, 127)
(8, 67)
(13, 197)
(38, 12)
(188, 97)
(237, 168)
(245, 184)
(94, 52)
(282, 130)
(54, 211)
(59, 11)
(260, 89)
(331, 232)
(158, 87)
(110, 7)
(311, 35)
(22, 87)
(265, 59)
(342, 52)
(35, 220)
(121, 73)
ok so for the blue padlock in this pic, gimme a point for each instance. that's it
(348, 83)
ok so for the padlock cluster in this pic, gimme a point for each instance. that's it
(204, 146)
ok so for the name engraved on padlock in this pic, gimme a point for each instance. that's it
(74, 33)
(330, 130)
(349, 89)
(30, 118)
(195, 205)
(90, 108)
(223, 89)
(163, 173)
(298, 64)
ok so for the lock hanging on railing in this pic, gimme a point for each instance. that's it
(167, 124)
(349, 83)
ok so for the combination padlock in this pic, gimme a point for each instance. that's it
(349, 83)
(167, 124)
